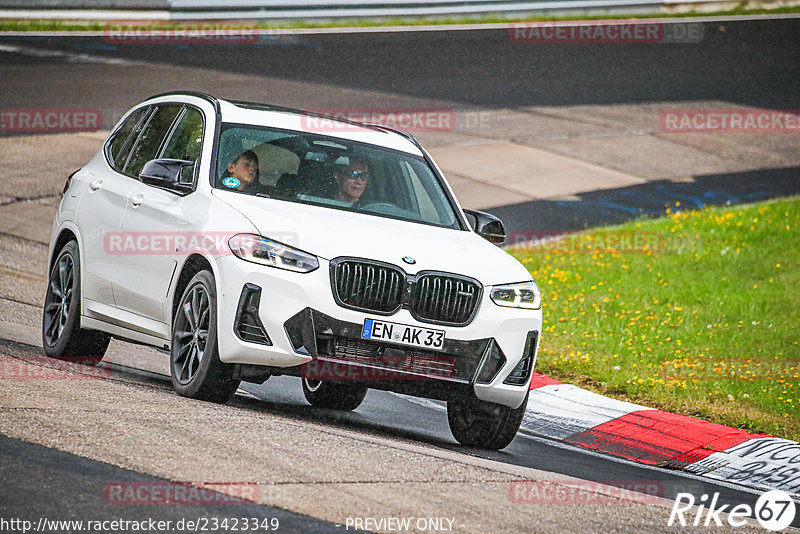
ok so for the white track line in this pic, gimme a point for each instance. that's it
(419, 28)
(70, 57)
(560, 410)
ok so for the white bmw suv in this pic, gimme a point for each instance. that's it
(250, 240)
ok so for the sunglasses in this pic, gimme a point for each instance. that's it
(354, 174)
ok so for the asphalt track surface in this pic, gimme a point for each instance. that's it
(29, 471)
(45, 482)
(752, 63)
(747, 63)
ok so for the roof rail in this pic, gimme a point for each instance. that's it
(198, 94)
(395, 130)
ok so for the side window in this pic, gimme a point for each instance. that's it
(186, 141)
(119, 146)
(149, 141)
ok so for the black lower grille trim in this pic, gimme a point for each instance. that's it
(323, 337)
(402, 361)
(248, 327)
(520, 374)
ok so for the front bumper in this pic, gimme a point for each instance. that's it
(304, 325)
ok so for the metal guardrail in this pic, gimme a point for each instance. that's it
(29, 5)
(293, 9)
(277, 5)
(322, 9)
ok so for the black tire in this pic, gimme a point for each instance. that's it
(476, 423)
(195, 367)
(62, 335)
(333, 395)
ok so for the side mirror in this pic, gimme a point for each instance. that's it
(167, 174)
(487, 226)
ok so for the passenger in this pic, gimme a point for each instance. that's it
(243, 172)
(351, 180)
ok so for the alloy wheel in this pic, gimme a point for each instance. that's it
(59, 299)
(191, 334)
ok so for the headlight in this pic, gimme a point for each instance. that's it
(265, 251)
(522, 295)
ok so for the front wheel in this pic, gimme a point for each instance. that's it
(197, 372)
(332, 395)
(62, 335)
(477, 423)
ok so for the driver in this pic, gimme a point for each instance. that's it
(351, 180)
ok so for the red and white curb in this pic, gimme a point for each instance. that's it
(654, 437)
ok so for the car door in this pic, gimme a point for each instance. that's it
(158, 219)
(100, 210)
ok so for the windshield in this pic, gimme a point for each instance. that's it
(331, 172)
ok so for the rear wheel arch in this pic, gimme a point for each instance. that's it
(63, 238)
(62, 335)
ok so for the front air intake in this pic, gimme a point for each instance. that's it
(520, 374)
(248, 326)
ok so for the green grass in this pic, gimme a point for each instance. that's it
(88, 25)
(704, 322)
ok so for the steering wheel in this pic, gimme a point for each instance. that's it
(387, 208)
(380, 206)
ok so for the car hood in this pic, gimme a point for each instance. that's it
(330, 233)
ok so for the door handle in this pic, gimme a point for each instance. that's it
(136, 200)
(97, 184)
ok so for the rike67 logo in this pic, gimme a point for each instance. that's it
(775, 510)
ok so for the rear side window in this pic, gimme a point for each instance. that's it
(152, 136)
(119, 147)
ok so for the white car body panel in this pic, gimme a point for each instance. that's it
(330, 233)
(132, 296)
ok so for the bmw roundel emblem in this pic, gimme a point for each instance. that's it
(409, 260)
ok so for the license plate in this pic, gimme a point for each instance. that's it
(426, 338)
